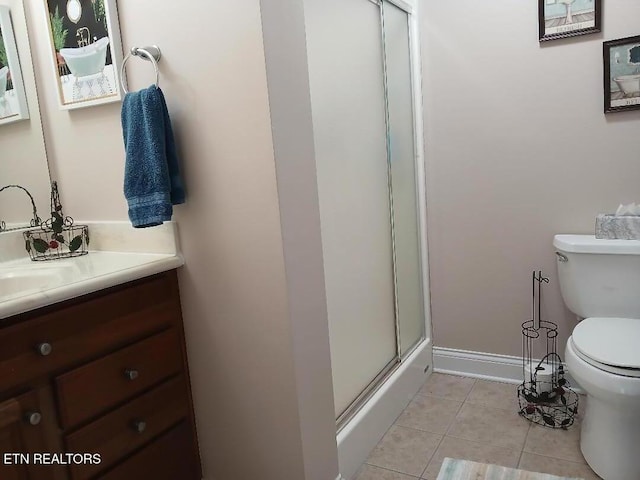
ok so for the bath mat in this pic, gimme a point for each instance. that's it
(453, 469)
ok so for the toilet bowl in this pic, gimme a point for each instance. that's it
(610, 435)
(599, 281)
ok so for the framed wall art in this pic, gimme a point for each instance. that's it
(13, 100)
(621, 60)
(568, 18)
(86, 51)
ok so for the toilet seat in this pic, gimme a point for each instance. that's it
(610, 344)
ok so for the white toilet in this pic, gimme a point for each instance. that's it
(600, 283)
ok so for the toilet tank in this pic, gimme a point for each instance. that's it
(599, 278)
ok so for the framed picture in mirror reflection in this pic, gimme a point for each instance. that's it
(13, 101)
(86, 51)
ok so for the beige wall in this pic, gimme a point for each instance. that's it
(517, 149)
(252, 287)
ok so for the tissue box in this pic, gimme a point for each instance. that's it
(618, 227)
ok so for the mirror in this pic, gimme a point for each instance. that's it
(23, 158)
(13, 103)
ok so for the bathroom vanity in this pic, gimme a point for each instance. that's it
(102, 374)
(94, 381)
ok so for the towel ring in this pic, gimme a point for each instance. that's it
(152, 54)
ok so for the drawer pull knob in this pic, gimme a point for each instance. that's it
(131, 374)
(44, 349)
(139, 426)
(33, 418)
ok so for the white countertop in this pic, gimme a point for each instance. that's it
(77, 276)
(122, 254)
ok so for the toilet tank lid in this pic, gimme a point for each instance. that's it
(591, 244)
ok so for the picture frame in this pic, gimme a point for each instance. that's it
(86, 51)
(13, 98)
(568, 18)
(621, 59)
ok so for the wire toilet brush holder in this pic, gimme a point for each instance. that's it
(545, 396)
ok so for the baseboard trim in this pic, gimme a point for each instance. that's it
(487, 366)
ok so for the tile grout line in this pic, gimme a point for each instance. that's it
(419, 393)
(429, 395)
(432, 456)
(391, 470)
(495, 445)
(558, 458)
(446, 397)
(419, 430)
(452, 421)
(479, 404)
(526, 437)
(459, 409)
(473, 385)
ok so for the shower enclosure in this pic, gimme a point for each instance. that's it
(368, 155)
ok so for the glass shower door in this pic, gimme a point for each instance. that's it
(363, 120)
(349, 115)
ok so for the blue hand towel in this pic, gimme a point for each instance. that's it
(152, 182)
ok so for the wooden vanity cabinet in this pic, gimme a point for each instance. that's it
(103, 377)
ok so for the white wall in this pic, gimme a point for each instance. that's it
(517, 149)
(252, 288)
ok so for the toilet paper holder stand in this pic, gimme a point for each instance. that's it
(545, 396)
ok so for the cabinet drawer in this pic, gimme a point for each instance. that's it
(173, 456)
(81, 330)
(120, 432)
(97, 386)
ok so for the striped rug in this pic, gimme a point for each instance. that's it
(453, 469)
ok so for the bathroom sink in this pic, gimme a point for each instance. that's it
(25, 280)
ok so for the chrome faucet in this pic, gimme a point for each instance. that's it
(35, 221)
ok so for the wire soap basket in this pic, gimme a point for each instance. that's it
(57, 237)
(545, 396)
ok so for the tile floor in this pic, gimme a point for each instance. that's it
(475, 420)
